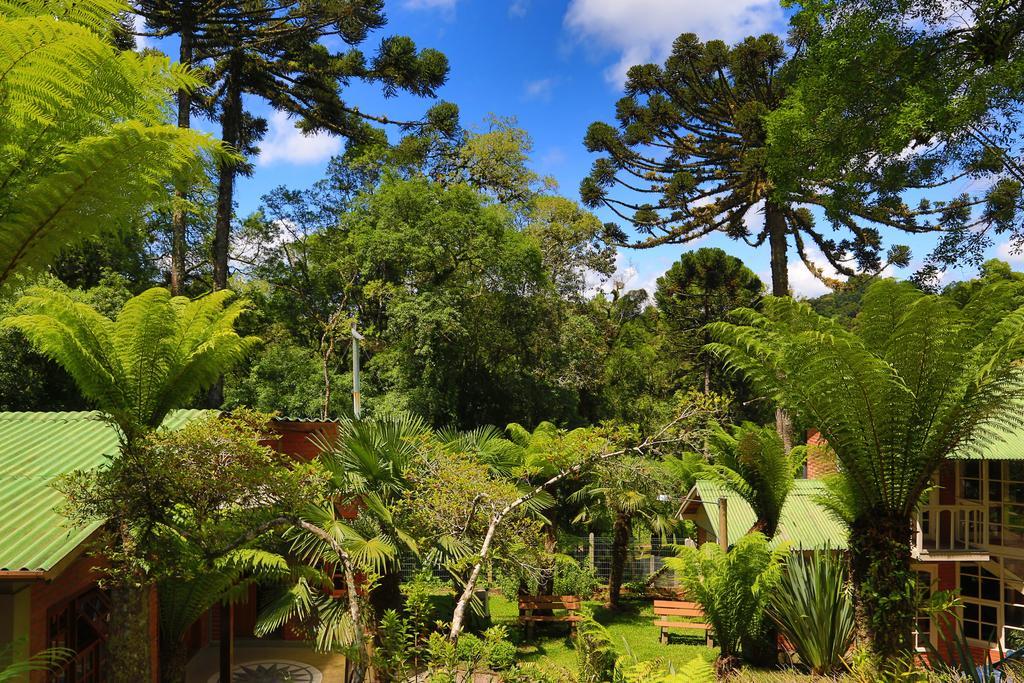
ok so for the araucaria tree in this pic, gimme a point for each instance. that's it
(158, 354)
(688, 157)
(700, 288)
(917, 379)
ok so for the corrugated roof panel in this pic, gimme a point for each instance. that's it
(804, 524)
(35, 448)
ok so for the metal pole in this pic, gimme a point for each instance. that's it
(723, 524)
(357, 408)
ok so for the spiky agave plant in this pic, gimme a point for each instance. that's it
(917, 379)
(813, 608)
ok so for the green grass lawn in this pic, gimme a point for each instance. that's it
(632, 630)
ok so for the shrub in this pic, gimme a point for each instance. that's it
(390, 658)
(733, 588)
(813, 609)
(500, 653)
(531, 673)
(573, 579)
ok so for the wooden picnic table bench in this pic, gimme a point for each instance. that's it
(672, 614)
(567, 605)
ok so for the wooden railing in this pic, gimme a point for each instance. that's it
(951, 528)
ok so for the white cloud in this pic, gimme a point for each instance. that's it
(540, 89)
(518, 8)
(641, 31)
(286, 143)
(1010, 253)
(139, 25)
(802, 281)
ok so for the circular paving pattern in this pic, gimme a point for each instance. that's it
(273, 671)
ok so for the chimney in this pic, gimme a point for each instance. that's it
(821, 460)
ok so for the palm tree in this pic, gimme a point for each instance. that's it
(753, 462)
(626, 491)
(158, 354)
(87, 138)
(917, 379)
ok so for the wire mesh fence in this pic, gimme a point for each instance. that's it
(643, 559)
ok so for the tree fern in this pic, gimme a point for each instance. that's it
(158, 354)
(84, 129)
(916, 380)
(753, 462)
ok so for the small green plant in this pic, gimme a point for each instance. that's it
(531, 673)
(732, 587)
(595, 653)
(573, 579)
(813, 609)
(443, 661)
(391, 657)
(500, 653)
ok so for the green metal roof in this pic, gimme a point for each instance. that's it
(34, 449)
(1005, 446)
(804, 524)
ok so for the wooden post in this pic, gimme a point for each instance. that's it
(227, 641)
(723, 524)
(590, 551)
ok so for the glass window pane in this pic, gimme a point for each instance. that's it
(995, 470)
(970, 489)
(988, 614)
(971, 611)
(972, 468)
(990, 590)
(969, 586)
(1015, 470)
(971, 629)
(995, 491)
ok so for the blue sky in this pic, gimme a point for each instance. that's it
(556, 66)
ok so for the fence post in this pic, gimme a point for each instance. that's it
(590, 551)
(723, 524)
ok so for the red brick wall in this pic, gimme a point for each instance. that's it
(821, 461)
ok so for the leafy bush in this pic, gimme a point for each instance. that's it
(573, 579)
(531, 673)
(813, 609)
(390, 658)
(501, 653)
(733, 588)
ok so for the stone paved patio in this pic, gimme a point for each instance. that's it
(259, 661)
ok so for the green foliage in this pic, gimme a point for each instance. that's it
(394, 642)
(753, 462)
(573, 579)
(916, 379)
(703, 286)
(813, 608)
(689, 154)
(732, 587)
(890, 97)
(595, 652)
(156, 355)
(14, 668)
(88, 144)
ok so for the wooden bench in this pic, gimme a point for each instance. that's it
(671, 614)
(568, 605)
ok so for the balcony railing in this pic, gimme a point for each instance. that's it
(961, 528)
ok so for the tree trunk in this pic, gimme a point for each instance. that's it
(173, 660)
(621, 533)
(231, 131)
(387, 593)
(775, 221)
(129, 645)
(882, 581)
(179, 220)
